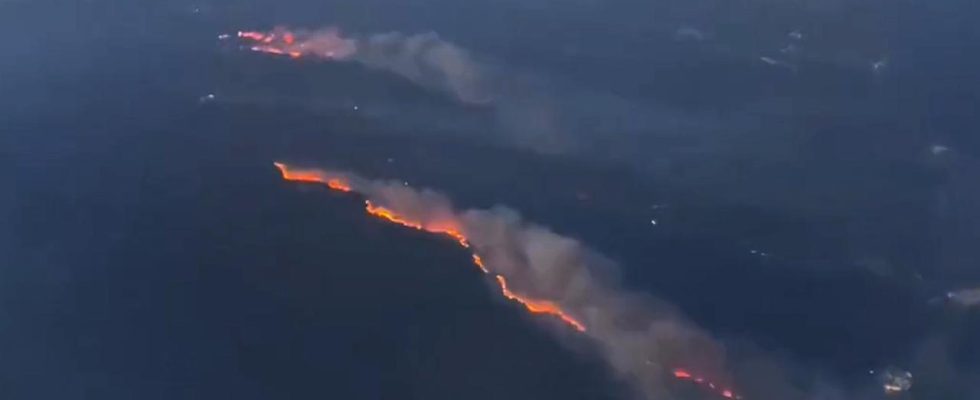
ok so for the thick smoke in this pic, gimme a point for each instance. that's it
(641, 339)
(645, 342)
(326, 43)
(427, 60)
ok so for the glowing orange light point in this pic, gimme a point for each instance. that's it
(479, 263)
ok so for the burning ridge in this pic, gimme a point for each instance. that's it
(553, 268)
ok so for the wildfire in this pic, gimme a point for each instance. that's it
(276, 50)
(539, 306)
(448, 229)
(326, 44)
(256, 36)
(272, 43)
(390, 216)
(311, 176)
(479, 263)
(534, 306)
(683, 374)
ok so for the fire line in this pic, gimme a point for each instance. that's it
(533, 306)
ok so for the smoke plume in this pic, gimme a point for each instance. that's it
(424, 59)
(643, 341)
(965, 297)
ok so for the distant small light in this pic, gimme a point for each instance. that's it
(653, 222)
(878, 66)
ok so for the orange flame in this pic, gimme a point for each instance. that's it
(724, 392)
(296, 44)
(682, 374)
(479, 263)
(256, 36)
(311, 176)
(276, 51)
(390, 216)
(267, 44)
(539, 306)
(532, 305)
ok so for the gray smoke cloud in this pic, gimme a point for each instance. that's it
(757, 153)
(424, 59)
(429, 61)
(965, 297)
(642, 339)
(639, 337)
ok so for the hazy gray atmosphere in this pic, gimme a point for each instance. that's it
(565, 199)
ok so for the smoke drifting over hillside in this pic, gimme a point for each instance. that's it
(424, 59)
(643, 340)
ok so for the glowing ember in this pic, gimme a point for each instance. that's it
(256, 36)
(337, 184)
(683, 374)
(276, 51)
(479, 263)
